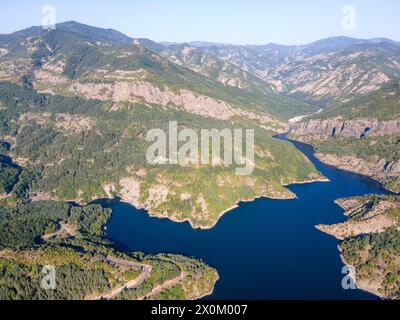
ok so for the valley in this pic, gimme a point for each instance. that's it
(361, 135)
(76, 106)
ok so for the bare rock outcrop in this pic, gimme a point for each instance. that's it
(351, 163)
(182, 99)
(381, 170)
(364, 219)
(331, 127)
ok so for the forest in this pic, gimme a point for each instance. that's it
(81, 260)
(375, 257)
(22, 225)
(73, 147)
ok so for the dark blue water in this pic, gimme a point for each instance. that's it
(266, 249)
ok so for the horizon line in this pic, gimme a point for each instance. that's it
(211, 42)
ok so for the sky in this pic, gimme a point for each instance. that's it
(226, 21)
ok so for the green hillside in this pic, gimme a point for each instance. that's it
(82, 54)
(383, 104)
(374, 152)
(69, 239)
(219, 70)
(80, 149)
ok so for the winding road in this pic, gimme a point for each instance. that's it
(145, 274)
(169, 283)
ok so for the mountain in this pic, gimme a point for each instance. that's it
(90, 58)
(328, 70)
(339, 43)
(382, 104)
(77, 106)
(359, 135)
(56, 147)
(230, 75)
(100, 35)
(69, 240)
(95, 34)
(149, 44)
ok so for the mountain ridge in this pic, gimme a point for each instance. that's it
(83, 108)
(72, 25)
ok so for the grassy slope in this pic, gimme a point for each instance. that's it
(383, 104)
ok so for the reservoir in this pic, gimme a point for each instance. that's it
(266, 249)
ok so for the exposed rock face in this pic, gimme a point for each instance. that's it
(66, 123)
(318, 131)
(325, 128)
(184, 99)
(3, 51)
(320, 76)
(374, 221)
(381, 171)
(374, 258)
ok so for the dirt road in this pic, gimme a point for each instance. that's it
(145, 274)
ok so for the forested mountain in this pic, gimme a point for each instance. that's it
(360, 135)
(69, 238)
(83, 60)
(77, 102)
(76, 109)
(382, 104)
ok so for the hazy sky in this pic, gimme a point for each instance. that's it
(249, 21)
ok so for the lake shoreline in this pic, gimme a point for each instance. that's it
(257, 226)
(237, 204)
(363, 288)
(320, 159)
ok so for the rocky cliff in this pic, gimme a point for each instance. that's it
(365, 217)
(386, 172)
(364, 146)
(332, 127)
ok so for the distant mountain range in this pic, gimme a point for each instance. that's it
(257, 85)
(78, 102)
(323, 72)
(316, 73)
